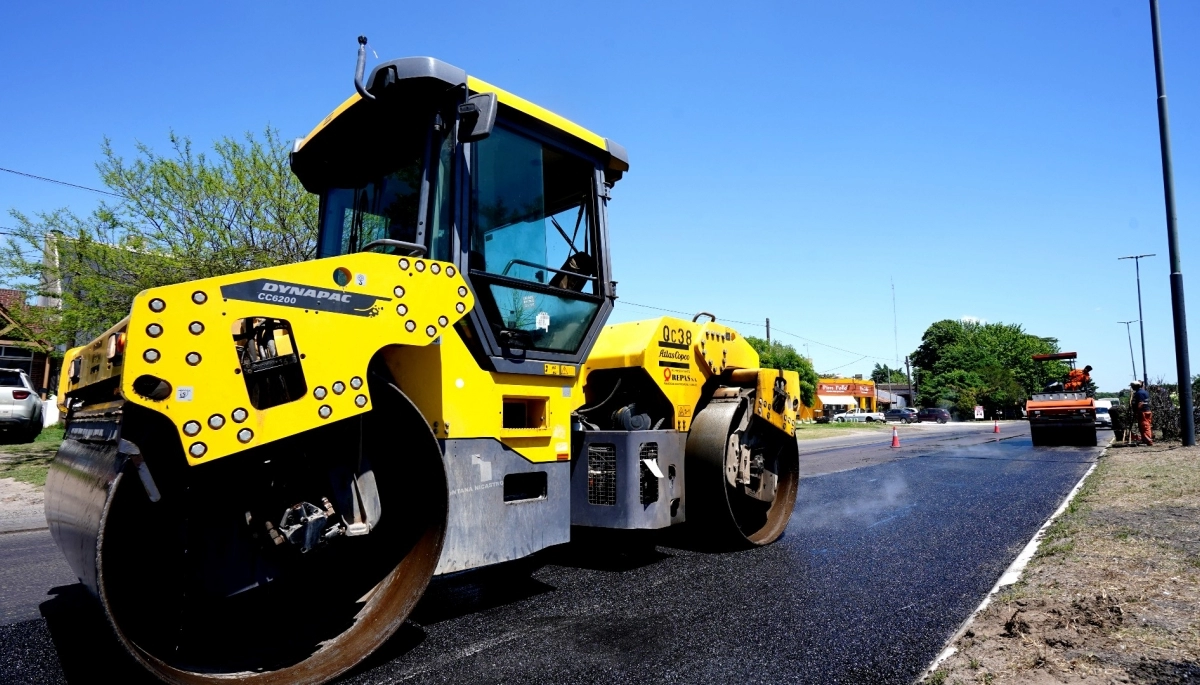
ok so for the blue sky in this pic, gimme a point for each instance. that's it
(789, 160)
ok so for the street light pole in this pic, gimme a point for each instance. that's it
(1137, 269)
(1130, 337)
(1183, 370)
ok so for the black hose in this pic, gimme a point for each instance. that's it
(585, 410)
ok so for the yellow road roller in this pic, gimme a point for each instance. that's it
(263, 471)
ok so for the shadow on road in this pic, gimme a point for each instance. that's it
(84, 640)
(469, 592)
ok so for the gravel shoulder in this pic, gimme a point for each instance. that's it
(22, 476)
(1112, 594)
(21, 506)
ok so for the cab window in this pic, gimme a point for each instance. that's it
(378, 198)
(532, 241)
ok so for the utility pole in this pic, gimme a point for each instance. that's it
(895, 325)
(768, 331)
(1137, 259)
(1130, 337)
(1183, 369)
(908, 373)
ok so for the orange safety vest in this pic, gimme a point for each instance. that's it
(1076, 379)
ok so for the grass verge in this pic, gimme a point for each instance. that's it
(30, 462)
(1113, 593)
(809, 431)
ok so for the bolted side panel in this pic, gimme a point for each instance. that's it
(184, 335)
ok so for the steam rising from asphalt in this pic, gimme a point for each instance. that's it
(873, 501)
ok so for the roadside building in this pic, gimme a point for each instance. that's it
(21, 348)
(835, 395)
(807, 414)
(887, 400)
(900, 394)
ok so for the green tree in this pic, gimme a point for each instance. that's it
(962, 364)
(956, 390)
(177, 217)
(776, 355)
(886, 374)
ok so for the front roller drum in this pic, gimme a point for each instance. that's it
(201, 590)
(742, 475)
(1069, 435)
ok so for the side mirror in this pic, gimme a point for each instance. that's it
(476, 117)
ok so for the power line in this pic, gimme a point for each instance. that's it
(61, 183)
(846, 364)
(759, 325)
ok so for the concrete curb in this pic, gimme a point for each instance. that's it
(1012, 574)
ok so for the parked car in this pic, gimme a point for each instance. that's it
(829, 412)
(20, 407)
(902, 414)
(933, 414)
(859, 415)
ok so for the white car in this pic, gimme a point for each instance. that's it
(20, 407)
(1103, 418)
(860, 416)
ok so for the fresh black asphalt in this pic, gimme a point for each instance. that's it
(878, 567)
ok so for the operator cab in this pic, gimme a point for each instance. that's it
(420, 169)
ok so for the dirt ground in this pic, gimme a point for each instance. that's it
(20, 506)
(1111, 595)
(22, 474)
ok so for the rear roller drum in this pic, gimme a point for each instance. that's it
(742, 474)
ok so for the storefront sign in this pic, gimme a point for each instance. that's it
(857, 389)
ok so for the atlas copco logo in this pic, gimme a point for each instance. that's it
(300, 291)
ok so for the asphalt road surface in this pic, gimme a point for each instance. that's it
(887, 553)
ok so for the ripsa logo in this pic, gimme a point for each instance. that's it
(671, 376)
(297, 291)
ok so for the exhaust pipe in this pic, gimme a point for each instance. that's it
(358, 71)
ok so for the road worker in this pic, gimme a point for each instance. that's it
(1141, 411)
(1078, 379)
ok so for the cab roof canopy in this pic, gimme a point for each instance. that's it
(1052, 357)
(359, 133)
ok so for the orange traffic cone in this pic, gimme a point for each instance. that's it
(996, 428)
(895, 437)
